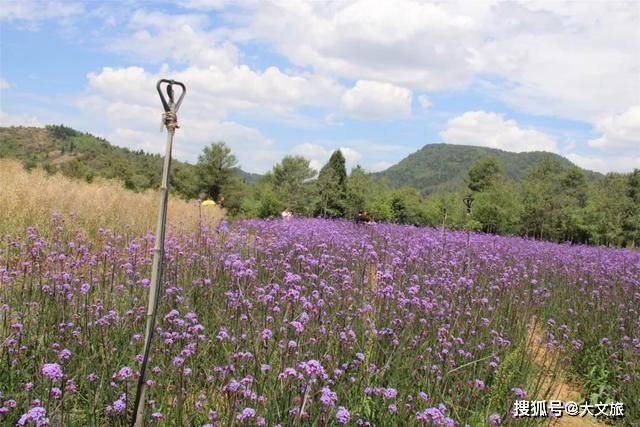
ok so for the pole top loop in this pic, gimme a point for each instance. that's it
(168, 102)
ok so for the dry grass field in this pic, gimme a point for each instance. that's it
(28, 198)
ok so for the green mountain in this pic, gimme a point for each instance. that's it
(249, 176)
(442, 167)
(433, 168)
(85, 156)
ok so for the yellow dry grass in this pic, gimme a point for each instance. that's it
(28, 199)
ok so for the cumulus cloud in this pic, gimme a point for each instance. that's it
(619, 132)
(489, 129)
(372, 100)
(318, 155)
(411, 44)
(4, 84)
(185, 40)
(618, 148)
(7, 119)
(424, 101)
(124, 100)
(36, 10)
(575, 59)
(538, 57)
(606, 163)
(541, 54)
(379, 166)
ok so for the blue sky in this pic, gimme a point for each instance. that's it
(378, 80)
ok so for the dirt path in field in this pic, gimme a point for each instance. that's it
(559, 389)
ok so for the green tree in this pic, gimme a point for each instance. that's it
(331, 187)
(631, 222)
(445, 208)
(269, 206)
(74, 168)
(497, 209)
(607, 209)
(572, 196)
(60, 132)
(290, 179)
(483, 174)
(407, 207)
(539, 200)
(217, 170)
(358, 192)
(495, 203)
(185, 180)
(574, 184)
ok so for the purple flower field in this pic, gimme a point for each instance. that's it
(310, 322)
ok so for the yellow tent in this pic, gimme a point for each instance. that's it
(208, 202)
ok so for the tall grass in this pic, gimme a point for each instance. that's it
(28, 198)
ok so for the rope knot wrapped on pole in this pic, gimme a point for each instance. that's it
(170, 120)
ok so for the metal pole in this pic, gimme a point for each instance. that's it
(468, 201)
(170, 121)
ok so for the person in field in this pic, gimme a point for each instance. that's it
(364, 217)
(287, 214)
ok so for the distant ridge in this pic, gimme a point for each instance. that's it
(434, 167)
(82, 155)
(438, 167)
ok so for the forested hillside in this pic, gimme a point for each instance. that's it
(442, 167)
(82, 155)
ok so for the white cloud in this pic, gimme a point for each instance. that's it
(489, 129)
(618, 147)
(184, 40)
(141, 19)
(7, 119)
(571, 59)
(351, 156)
(575, 60)
(606, 163)
(619, 132)
(376, 100)
(125, 101)
(379, 166)
(205, 4)
(4, 84)
(540, 55)
(330, 119)
(424, 102)
(255, 152)
(36, 10)
(217, 85)
(319, 155)
(414, 44)
(316, 154)
(218, 91)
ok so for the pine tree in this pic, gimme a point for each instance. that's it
(216, 169)
(331, 187)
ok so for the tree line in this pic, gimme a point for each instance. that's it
(552, 202)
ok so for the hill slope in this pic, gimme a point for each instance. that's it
(438, 167)
(82, 155)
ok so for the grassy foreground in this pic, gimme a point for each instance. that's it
(302, 322)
